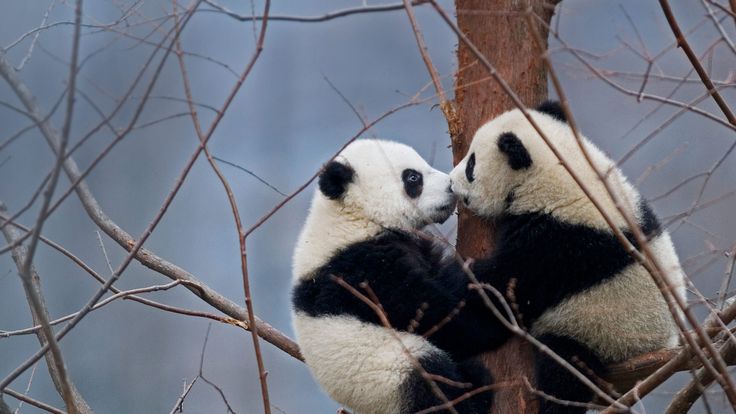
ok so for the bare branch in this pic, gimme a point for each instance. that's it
(4, 409)
(718, 26)
(179, 404)
(686, 397)
(25, 96)
(648, 259)
(210, 383)
(30, 401)
(251, 173)
(195, 285)
(32, 286)
(673, 364)
(234, 206)
(27, 57)
(372, 301)
(26, 271)
(311, 19)
(448, 108)
(28, 388)
(685, 45)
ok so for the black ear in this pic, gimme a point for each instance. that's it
(334, 179)
(554, 109)
(518, 156)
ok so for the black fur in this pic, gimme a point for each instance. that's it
(517, 155)
(407, 275)
(548, 260)
(554, 109)
(413, 182)
(470, 168)
(649, 223)
(540, 261)
(557, 381)
(334, 179)
(417, 391)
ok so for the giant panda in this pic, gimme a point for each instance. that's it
(573, 284)
(362, 227)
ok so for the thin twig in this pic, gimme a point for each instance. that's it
(28, 102)
(345, 99)
(249, 172)
(685, 45)
(26, 272)
(646, 257)
(193, 285)
(311, 19)
(686, 397)
(262, 373)
(674, 364)
(52, 137)
(28, 400)
(179, 404)
(377, 308)
(32, 286)
(28, 388)
(98, 305)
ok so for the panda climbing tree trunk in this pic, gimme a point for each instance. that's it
(499, 29)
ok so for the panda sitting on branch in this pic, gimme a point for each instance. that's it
(570, 281)
(573, 284)
(362, 228)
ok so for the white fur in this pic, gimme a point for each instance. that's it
(358, 364)
(545, 187)
(619, 318)
(623, 316)
(375, 200)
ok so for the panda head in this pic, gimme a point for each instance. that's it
(509, 167)
(386, 183)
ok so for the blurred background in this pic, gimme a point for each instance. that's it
(285, 122)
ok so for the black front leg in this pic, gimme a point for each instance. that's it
(558, 382)
(475, 329)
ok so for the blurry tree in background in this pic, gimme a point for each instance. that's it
(118, 120)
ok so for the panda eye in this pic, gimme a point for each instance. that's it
(413, 182)
(470, 168)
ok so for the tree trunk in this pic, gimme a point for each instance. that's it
(499, 29)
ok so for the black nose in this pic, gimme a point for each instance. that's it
(449, 187)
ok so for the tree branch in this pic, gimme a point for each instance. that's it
(686, 397)
(683, 43)
(4, 409)
(24, 257)
(447, 107)
(28, 400)
(234, 207)
(32, 286)
(145, 256)
(311, 19)
(167, 308)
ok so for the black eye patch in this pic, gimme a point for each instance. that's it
(470, 168)
(413, 182)
(516, 153)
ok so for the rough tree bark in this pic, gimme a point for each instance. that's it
(499, 29)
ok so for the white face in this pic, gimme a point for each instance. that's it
(505, 160)
(509, 168)
(390, 185)
(485, 177)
